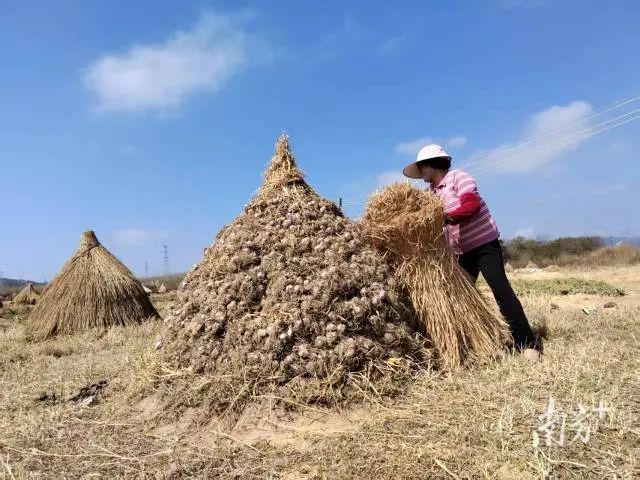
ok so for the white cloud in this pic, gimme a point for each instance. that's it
(456, 142)
(528, 233)
(163, 76)
(390, 46)
(411, 147)
(137, 237)
(547, 137)
(557, 116)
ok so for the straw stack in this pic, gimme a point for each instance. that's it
(93, 289)
(27, 296)
(406, 224)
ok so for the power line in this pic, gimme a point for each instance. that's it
(556, 138)
(553, 131)
(491, 167)
(561, 143)
(355, 202)
(560, 137)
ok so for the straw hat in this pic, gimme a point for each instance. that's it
(428, 152)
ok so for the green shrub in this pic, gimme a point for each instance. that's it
(520, 251)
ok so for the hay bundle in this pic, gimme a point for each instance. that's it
(93, 289)
(406, 224)
(288, 300)
(162, 288)
(27, 296)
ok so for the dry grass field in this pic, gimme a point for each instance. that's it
(481, 423)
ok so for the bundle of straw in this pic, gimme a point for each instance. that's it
(406, 225)
(283, 170)
(93, 289)
(27, 296)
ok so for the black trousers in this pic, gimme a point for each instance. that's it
(488, 259)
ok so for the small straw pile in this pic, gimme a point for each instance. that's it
(93, 289)
(406, 224)
(27, 296)
(283, 170)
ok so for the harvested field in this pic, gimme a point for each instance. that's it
(256, 307)
(477, 424)
(563, 286)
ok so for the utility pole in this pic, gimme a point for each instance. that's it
(146, 269)
(165, 250)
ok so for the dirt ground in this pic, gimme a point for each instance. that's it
(576, 414)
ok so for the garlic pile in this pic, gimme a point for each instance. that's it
(289, 290)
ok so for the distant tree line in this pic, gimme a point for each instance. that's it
(567, 251)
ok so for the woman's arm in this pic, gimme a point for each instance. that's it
(469, 207)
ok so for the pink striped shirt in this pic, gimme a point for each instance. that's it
(471, 233)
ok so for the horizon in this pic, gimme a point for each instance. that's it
(608, 241)
(154, 130)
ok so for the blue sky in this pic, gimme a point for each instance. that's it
(151, 122)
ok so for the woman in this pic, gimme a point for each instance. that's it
(473, 235)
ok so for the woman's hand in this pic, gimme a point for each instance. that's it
(448, 220)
